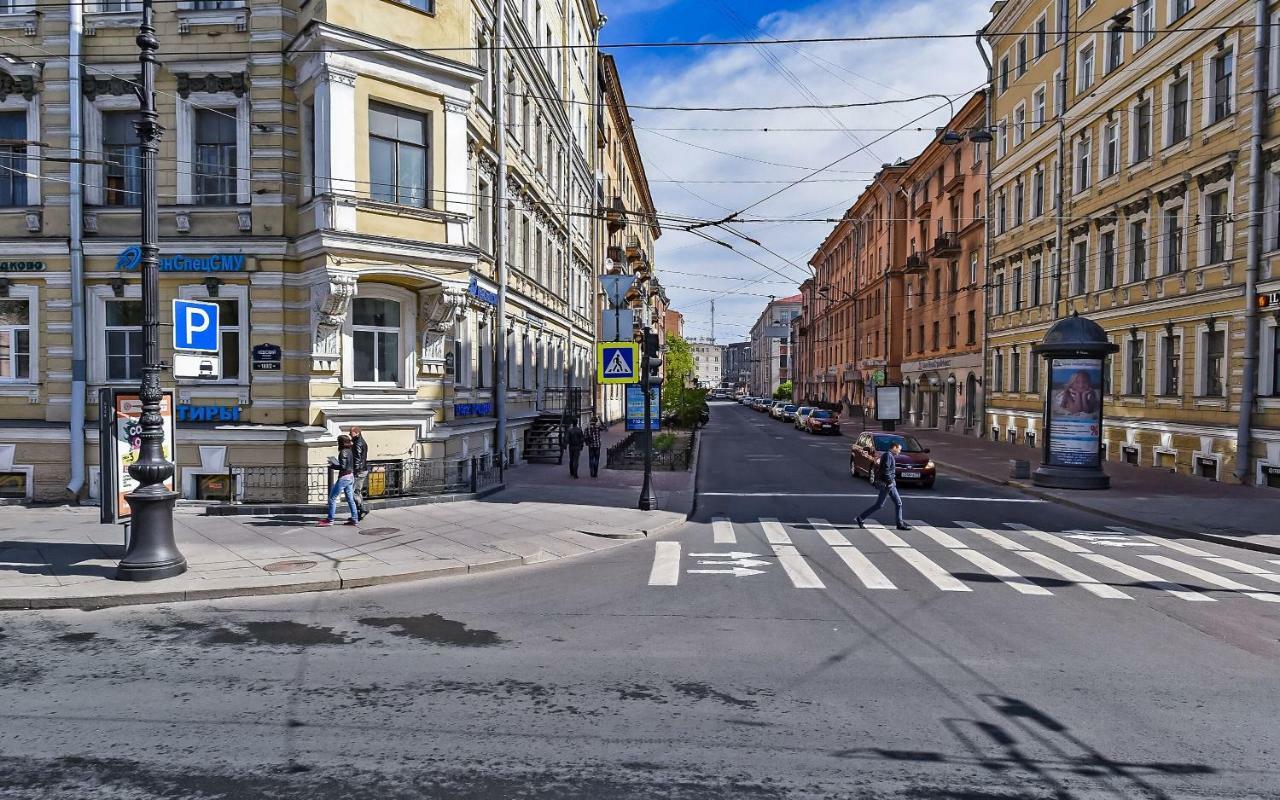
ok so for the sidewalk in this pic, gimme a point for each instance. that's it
(61, 557)
(1144, 497)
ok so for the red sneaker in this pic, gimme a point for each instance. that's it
(324, 523)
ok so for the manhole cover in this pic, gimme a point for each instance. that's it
(378, 531)
(289, 566)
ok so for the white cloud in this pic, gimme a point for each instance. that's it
(741, 76)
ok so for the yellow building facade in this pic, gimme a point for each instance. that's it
(1121, 191)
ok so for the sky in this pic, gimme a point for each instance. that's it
(700, 164)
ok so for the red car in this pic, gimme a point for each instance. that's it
(822, 421)
(914, 465)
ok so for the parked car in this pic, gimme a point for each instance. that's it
(819, 420)
(787, 413)
(775, 408)
(801, 413)
(758, 404)
(914, 464)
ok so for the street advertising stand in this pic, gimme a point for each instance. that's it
(1075, 351)
(888, 406)
(119, 444)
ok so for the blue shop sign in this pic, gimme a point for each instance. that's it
(472, 409)
(131, 258)
(482, 294)
(190, 413)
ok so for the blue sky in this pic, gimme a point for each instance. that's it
(698, 169)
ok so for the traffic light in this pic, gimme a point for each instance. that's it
(652, 356)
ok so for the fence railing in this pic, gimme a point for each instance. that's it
(415, 477)
(629, 454)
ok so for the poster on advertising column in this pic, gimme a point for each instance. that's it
(1075, 412)
(120, 426)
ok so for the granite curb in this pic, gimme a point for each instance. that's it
(1146, 525)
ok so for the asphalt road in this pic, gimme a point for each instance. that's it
(969, 659)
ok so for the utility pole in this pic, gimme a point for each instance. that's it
(500, 227)
(713, 321)
(152, 552)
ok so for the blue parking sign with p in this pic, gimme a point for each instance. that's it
(195, 326)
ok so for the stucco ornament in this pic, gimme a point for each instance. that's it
(439, 311)
(331, 300)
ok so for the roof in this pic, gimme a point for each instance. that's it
(795, 298)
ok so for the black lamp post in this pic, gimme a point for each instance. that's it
(1075, 350)
(152, 552)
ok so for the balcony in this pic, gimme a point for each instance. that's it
(948, 244)
(916, 262)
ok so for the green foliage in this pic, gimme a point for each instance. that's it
(677, 363)
(664, 441)
(783, 392)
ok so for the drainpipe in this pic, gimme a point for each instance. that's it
(79, 384)
(500, 226)
(1061, 170)
(1249, 384)
(981, 420)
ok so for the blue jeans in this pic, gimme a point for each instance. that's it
(345, 483)
(890, 491)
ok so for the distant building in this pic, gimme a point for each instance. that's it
(735, 367)
(771, 347)
(708, 363)
(673, 323)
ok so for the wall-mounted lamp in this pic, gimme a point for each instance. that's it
(1133, 333)
(1168, 329)
(117, 286)
(1210, 323)
(211, 284)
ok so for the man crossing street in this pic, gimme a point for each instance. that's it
(887, 482)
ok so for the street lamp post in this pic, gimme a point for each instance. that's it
(152, 552)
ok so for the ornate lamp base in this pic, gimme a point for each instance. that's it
(153, 554)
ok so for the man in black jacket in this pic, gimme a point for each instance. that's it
(575, 439)
(360, 455)
(887, 481)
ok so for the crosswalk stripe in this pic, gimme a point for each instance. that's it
(887, 537)
(774, 533)
(1079, 578)
(1169, 543)
(722, 531)
(1175, 589)
(1250, 569)
(925, 566)
(991, 536)
(862, 567)
(828, 533)
(666, 564)
(797, 568)
(998, 570)
(1056, 541)
(1213, 579)
(944, 539)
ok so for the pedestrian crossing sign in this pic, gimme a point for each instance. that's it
(616, 362)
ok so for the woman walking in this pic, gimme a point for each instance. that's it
(345, 464)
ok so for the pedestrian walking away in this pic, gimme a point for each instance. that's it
(360, 462)
(592, 437)
(345, 464)
(886, 480)
(575, 439)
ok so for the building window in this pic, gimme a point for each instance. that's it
(15, 339)
(951, 332)
(997, 293)
(973, 268)
(1115, 48)
(13, 158)
(1018, 203)
(123, 156)
(1107, 261)
(1110, 149)
(1142, 131)
(375, 340)
(1035, 282)
(484, 215)
(1084, 149)
(1080, 267)
(1022, 56)
(1145, 29)
(937, 284)
(1042, 36)
(1037, 108)
(215, 157)
(1137, 366)
(972, 337)
(1019, 125)
(1033, 385)
(1223, 80)
(1216, 208)
(997, 367)
(1172, 365)
(1004, 74)
(1172, 241)
(1002, 139)
(936, 341)
(1214, 357)
(1000, 212)
(1179, 9)
(1084, 68)
(1037, 193)
(1179, 121)
(398, 155)
(124, 340)
(1017, 288)
(1015, 370)
(1138, 250)
(954, 276)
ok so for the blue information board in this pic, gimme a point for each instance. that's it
(635, 408)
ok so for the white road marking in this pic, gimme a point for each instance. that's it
(944, 539)
(734, 554)
(1249, 569)
(1213, 579)
(1079, 578)
(1186, 550)
(797, 568)
(1175, 589)
(914, 497)
(828, 533)
(774, 533)
(991, 536)
(998, 570)
(861, 566)
(925, 566)
(722, 531)
(737, 572)
(666, 564)
(1070, 547)
(887, 537)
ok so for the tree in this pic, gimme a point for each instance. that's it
(783, 392)
(680, 403)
